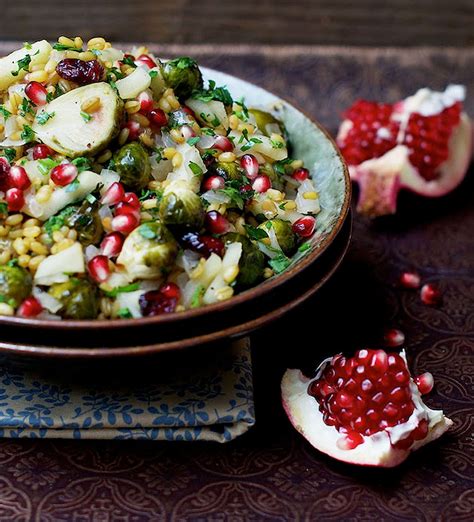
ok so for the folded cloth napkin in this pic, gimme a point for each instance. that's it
(214, 402)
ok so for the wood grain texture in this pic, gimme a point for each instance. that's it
(327, 22)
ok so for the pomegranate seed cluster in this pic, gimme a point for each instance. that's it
(131, 187)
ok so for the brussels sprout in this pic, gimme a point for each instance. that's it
(85, 220)
(262, 119)
(252, 261)
(149, 251)
(181, 206)
(132, 165)
(284, 234)
(15, 284)
(79, 297)
(183, 76)
(227, 170)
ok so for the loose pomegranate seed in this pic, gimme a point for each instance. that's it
(114, 194)
(18, 178)
(64, 174)
(125, 223)
(250, 164)
(144, 59)
(171, 290)
(224, 144)
(365, 393)
(79, 71)
(300, 174)
(99, 269)
(213, 183)
(425, 382)
(394, 337)
(15, 199)
(430, 294)
(261, 183)
(146, 101)
(30, 307)
(131, 199)
(216, 223)
(41, 151)
(133, 130)
(410, 280)
(158, 117)
(36, 92)
(112, 244)
(304, 226)
(204, 245)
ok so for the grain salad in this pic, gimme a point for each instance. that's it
(130, 187)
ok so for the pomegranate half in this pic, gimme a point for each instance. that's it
(422, 144)
(364, 410)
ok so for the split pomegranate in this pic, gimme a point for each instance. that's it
(422, 144)
(36, 92)
(363, 410)
(80, 71)
(394, 337)
(64, 174)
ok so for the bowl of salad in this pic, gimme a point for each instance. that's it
(136, 190)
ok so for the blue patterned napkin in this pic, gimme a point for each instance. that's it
(214, 404)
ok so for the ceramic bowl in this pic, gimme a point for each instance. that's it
(310, 143)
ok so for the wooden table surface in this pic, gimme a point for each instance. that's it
(271, 473)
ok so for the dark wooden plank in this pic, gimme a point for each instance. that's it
(326, 22)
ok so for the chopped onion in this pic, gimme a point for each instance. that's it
(215, 196)
(131, 86)
(46, 300)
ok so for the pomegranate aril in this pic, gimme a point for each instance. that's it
(4, 170)
(262, 183)
(30, 307)
(224, 144)
(64, 174)
(112, 244)
(350, 441)
(133, 130)
(171, 290)
(394, 337)
(36, 92)
(158, 117)
(204, 245)
(80, 71)
(250, 165)
(125, 223)
(156, 302)
(131, 199)
(15, 199)
(304, 227)
(390, 410)
(410, 280)
(300, 174)
(41, 151)
(114, 194)
(430, 294)
(378, 363)
(216, 223)
(146, 101)
(213, 183)
(144, 59)
(425, 382)
(99, 269)
(344, 400)
(421, 430)
(18, 178)
(122, 209)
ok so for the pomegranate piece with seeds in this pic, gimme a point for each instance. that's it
(364, 410)
(80, 71)
(422, 144)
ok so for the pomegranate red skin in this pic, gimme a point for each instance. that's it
(36, 92)
(41, 151)
(80, 71)
(18, 178)
(30, 307)
(15, 199)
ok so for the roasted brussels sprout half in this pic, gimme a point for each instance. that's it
(252, 260)
(229, 171)
(283, 232)
(132, 165)
(183, 76)
(85, 220)
(181, 206)
(149, 251)
(15, 284)
(79, 297)
(264, 119)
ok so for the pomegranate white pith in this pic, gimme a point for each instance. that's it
(422, 144)
(383, 448)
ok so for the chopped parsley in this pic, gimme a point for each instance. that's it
(192, 141)
(128, 60)
(22, 64)
(195, 168)
(304, 246)
(255, 233)
(3, 208)
(82, 163)
(279, 263)
(197, 296)
(216, 121)
(282, 206)
(27, 46)
(6, 114)
(153, 74)
(44, 116)
(45, 165)
(277, 144)
(237, 196)
(124, 313)
(213, 93)
(150, 194)
(243, 112)
(123, 290)
(183, 62)
(52, 95)
(250, 141)
(210, 153)
(86, 116)
(56, 222)
(62, 47)
(10, 154)
(208, 131)
(27, 134)
(280, 166)
(147, 231)
(26, 107)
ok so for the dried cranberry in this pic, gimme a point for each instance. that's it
(204, 245)
(4, 170)
(80, 71)
(156, 302)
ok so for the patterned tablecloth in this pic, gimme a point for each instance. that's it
(271, 473)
